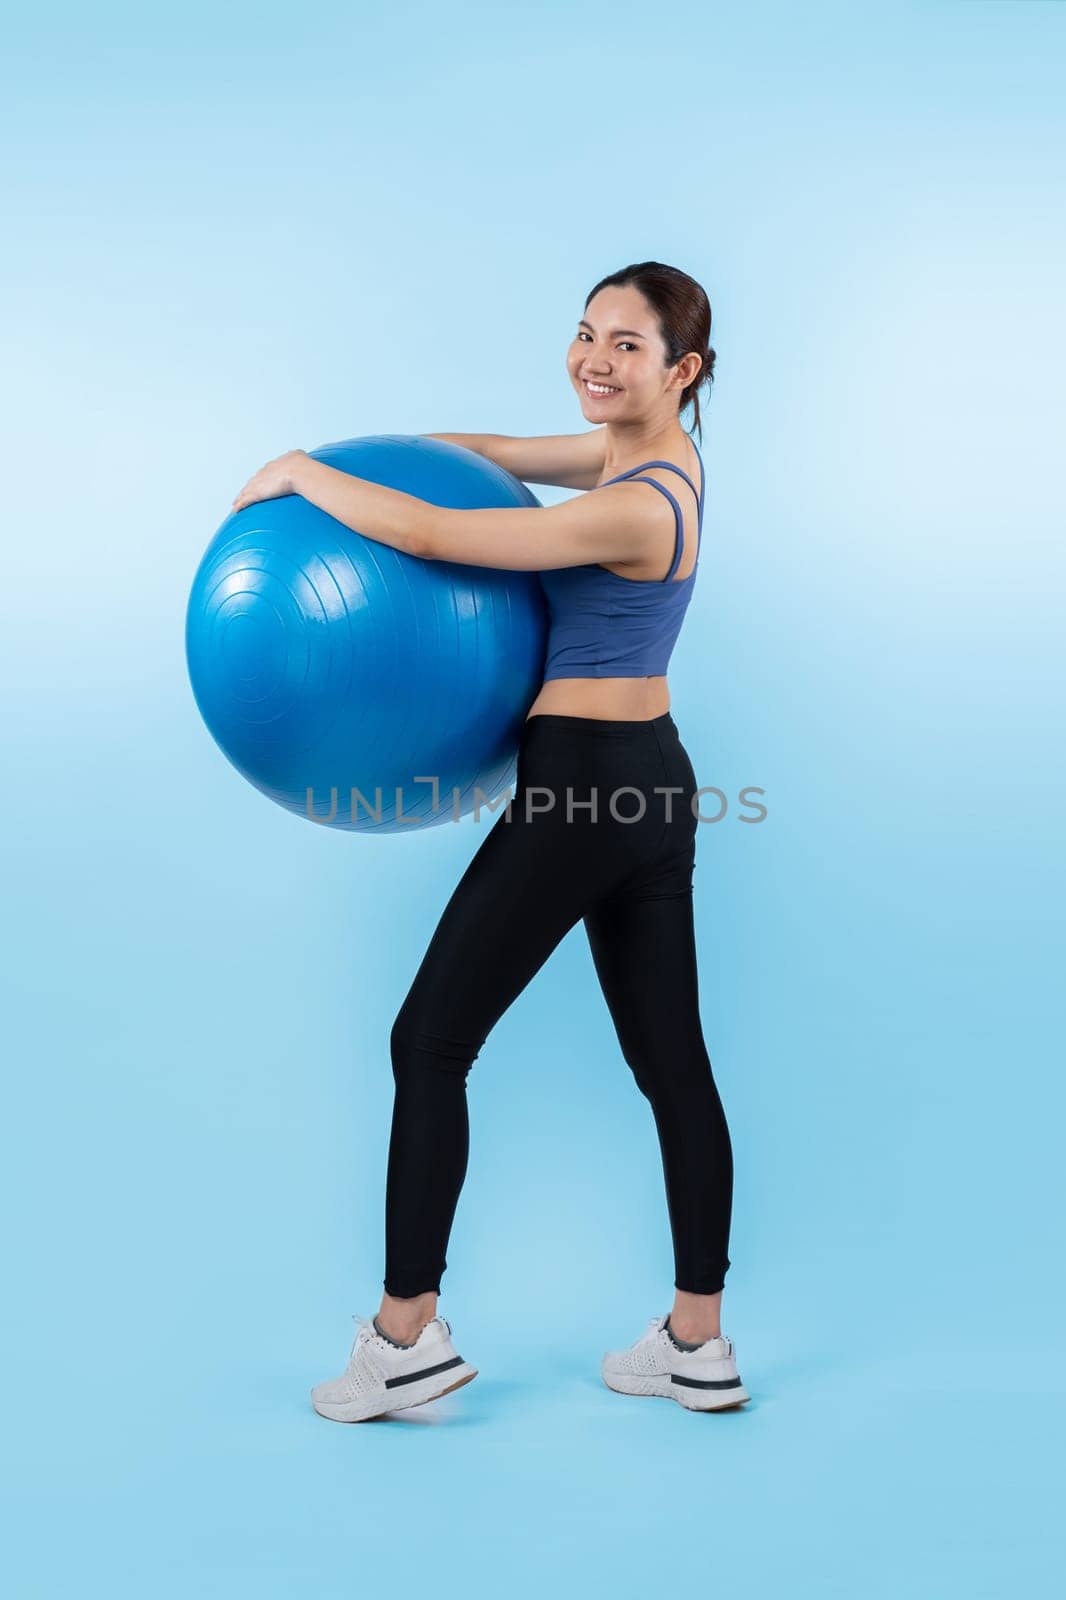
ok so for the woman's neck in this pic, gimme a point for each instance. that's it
(629, 447)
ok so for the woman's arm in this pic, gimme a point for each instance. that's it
(469, 441)
(617, 523)
(388, 515)
(565, 460)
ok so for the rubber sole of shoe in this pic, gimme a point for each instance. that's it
(418, 1395)
(691, 1396)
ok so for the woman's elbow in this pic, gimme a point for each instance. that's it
(421, 539)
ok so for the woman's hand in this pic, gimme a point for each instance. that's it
(276, 478)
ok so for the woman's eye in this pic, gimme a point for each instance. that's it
(627, 342)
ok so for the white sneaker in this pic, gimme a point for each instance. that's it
(382, 1377)
(701, 1380)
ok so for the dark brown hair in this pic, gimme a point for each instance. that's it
(684, 316)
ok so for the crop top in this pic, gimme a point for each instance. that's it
(605, 626)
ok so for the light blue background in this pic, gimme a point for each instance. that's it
(234, 230)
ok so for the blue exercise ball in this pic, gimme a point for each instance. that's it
(341, 676)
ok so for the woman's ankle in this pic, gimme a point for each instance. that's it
(402, 1319)
(695, 1318)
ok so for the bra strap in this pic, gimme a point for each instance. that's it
(699, 514)
(679, 535)
(677, 509)
(703, 477)
(646, 464)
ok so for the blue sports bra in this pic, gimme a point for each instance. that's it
(606, 626)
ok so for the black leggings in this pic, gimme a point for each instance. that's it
(548, 860)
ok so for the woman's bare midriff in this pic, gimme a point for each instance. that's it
(614, 699)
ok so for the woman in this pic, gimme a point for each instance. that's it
(618, 568)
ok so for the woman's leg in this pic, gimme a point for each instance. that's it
(643, 944)
(525, 888)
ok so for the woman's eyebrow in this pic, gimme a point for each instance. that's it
(583, 324)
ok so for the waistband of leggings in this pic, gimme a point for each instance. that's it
(649, 727)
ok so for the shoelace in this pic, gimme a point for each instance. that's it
(363, 1325)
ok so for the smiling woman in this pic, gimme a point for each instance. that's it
(617, 565)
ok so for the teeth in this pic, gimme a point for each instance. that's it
(599, 388)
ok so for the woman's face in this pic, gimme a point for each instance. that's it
(618, 349)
